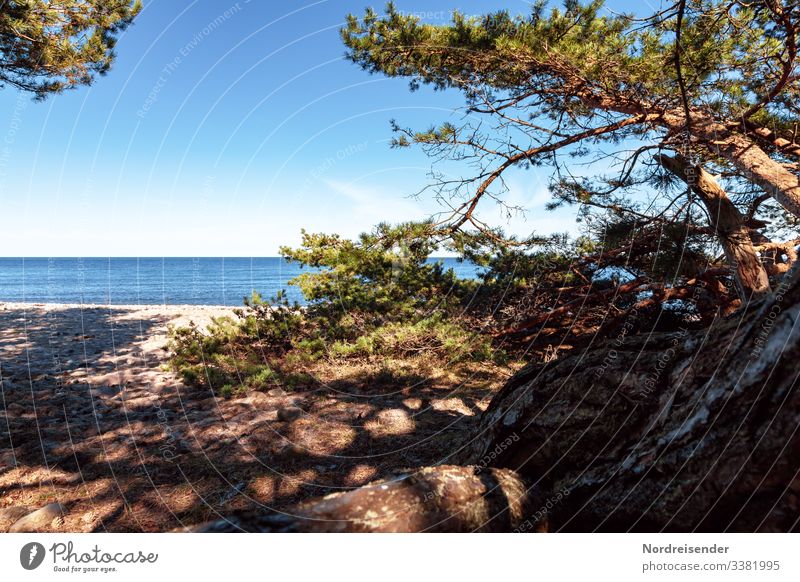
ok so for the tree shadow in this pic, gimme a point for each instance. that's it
(92, 420)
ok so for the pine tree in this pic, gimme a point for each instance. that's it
(700, 89)
(48, 47)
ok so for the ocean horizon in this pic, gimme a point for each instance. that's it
(156, 280)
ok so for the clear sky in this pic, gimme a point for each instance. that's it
(223, 129)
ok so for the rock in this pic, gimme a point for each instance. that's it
(40, 520)
(289, 413)
(276, 392)
(10, 515)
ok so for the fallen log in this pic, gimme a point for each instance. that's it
(433, 499)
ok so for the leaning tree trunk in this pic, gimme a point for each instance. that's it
(751, 277)
(678, 432)
(772, 176)
(686, 431)
(744, 154)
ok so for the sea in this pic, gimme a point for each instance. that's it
(156, 281)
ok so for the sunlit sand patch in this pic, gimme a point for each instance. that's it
(25, 476)
(290, 485)
(178, 499)
(263, 488)
(359, 475)
(452, 405)
(343, 411)
(320, 438)
(392, 422)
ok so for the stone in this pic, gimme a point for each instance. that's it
(289, 413)
(10, 515)
(40, 520)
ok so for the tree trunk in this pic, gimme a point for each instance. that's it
(745, 155)
(433, 499)
(773, 177)
(719, 140)
(654, 432)
(678, 432)
(728, 223)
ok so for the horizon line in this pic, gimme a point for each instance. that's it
(170, 257)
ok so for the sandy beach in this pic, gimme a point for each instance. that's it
(92, 419)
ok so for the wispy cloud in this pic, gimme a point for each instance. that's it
(375, 204)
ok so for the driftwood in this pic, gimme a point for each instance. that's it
(434, 499)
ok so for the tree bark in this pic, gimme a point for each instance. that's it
(718, 139)
(433, 499)
(687, 431)
(665, 432)
(745, 155)
(751, 277)
(787, 147)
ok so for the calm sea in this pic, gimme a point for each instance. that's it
(169, 281)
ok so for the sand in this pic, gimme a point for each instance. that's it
(92, 418)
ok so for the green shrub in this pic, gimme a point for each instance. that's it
(230, 351)
(385, 276)
(376, 297)
(262, 377)
(429, 336)
(272, 324)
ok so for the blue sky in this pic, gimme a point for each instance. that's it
(223, 129)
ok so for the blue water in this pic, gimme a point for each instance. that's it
(168, 281)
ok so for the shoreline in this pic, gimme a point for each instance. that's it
(24, 304)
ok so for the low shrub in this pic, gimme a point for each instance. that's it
(377, 297)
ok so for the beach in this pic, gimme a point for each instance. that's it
(93, 422)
